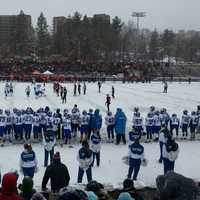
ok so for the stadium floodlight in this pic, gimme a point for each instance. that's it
(138, 15)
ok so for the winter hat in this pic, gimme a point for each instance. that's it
(94, 186)
(27, 184)
(56, 156)
(125, 196)
(96, 112)
(119, 110)
(128, 184)
(9, 184)
(92, 196)
(38, 196)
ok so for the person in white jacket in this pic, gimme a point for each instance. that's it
(170, 154)
(162, 140)
(85, 158)
(49, 141)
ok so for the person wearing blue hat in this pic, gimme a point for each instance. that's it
(125, 196)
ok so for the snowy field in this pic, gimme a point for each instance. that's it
(112, 170)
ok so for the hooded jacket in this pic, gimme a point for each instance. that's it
(59, 175)
(125, 196)
(27, 188)
(9, 187)
(120, 122)
(96, 120)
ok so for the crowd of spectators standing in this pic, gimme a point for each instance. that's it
(171, 186)
(24, 71)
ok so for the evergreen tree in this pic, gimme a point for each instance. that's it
(154, 45)
(168, 42)
(116, 39)
(43, 36)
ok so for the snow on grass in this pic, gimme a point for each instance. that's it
(112, 169)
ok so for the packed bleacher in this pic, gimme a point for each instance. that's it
(25, 71)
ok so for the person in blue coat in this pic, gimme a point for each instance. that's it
(96, 121)
(120, 126)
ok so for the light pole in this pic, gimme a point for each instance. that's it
(137, 15)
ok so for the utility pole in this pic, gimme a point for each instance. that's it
(138, 15)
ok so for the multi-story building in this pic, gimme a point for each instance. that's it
(102, 17)
(9, 24)
(58, 23)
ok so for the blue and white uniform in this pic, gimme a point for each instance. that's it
(185, 120)
(110, 123)
(67, 129)
(9, 124)
(18, 123)
(96, 147)
(194, 121)
(2, 124)
(43, 121)
(95, 143)
(84, 121)
(156, 124)
(138, 123)
(135, 155)
(36, 126)
(174, 124)
(75, 118)
(149, 122)
(85, 159)
(56, 121)
(28, 163)
(28, 121)
(164, 117)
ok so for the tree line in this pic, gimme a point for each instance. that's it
(92, 39)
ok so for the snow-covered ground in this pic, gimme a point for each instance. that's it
(112, 170)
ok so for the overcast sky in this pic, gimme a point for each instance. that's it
(161, 14)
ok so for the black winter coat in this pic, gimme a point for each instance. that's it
(58, 174)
